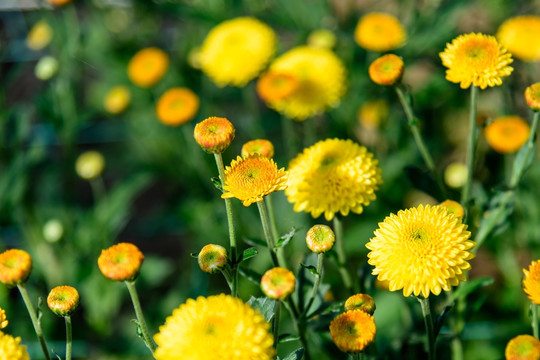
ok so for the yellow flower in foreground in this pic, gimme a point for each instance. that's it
(11, 348)
(258, 146)
(531, 282)
(379, 32)
(217, 325)
(353, 330)
(117, 99)
(148, 66)
(333, 176)
(214, 134)
(278, 283)
(90, 164)
(121, 262)
(386, 70)
(250, 178)
(532, 96)
(476, 59)
(15, 267)
(63, 300)
(521, 36)
(177, 106)
(3, 319)
(273, 86)
(236, 51)
(320, 77)
(523, 347)
(507, 134)
(39, 36)
(421, 250)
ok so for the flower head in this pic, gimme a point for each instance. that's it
(39, 36)
(53, 230)
(90, 164)
(177, 106)
(219, 324)
(386, 70)
(453, 207)
(519, 35)
(523, 347)
(476, 59)
(421, 250)
(532, 96)
(259, 146)
(322, 39)
(353, 330)
(379, 32)
(46, 68)
(278, 283)
(250, 178)
(372, 113)
(11, 348)
(212, 258)
(274, 86)
(214, 134)
(320, 238)
(117, 99)
(320, 82)
(531, 282)
(3, 319)
(15, 267)
(58, 2)
(63, 300)
(121, 262)
(507, 134)
(362, 302)
(455, 175)
(148, 66)
(333, 176)
(235, 51)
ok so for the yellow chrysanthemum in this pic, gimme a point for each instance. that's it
(353, 330)
(532, 96)
(322, 38)
(476, 59)
(520, 35)
(63, 300)
(148, 66)
(379, 32)
(507, 134)
(117, 99)
(177, 106)
(273, 86)
(237, 50)
(250, 178)
(3, 319)
(39, 36)
(523, 347)
(421, 250)
(258, 146)
(121, 262)
(333, 176)
(320, 77)
(220, 325)
(15, 267)
(531, 282)
(11, 348)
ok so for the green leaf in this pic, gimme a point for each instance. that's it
(295, 355)
(284, 240)
(283, 338)
(469, 287)
(139, 330)
(194, 255)
(440, 319)
(255, 242)
(251, 275)
(524, 159)
(248, 254)
(217, 183)
(312, 269)
(265, 306)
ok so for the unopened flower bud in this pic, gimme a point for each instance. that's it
(117, 99)
(532, 96)
(53, 230)
(121, 262)
(212, 258)
(453, 207)
(322, 39)
(455, 175)
(46, 68)
(320, 238)
(90, 165)
(278, 283)
(15, 267)
(214, 134)
(362, 302)
(63, 300)
(523, 347)
(260, 146)
(386, 70)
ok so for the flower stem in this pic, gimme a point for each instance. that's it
(68, 337)
(267, 232)
(35, 320)
(534, 320)
(471, 147)
(517, 171)
(275, 325)
(430, 330)
(320, 258)
(273, 228)
(298, 325)
(140, 316)
(342, 258)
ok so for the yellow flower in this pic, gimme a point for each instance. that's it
(476, 59)
(219, 325)
(63, 300)
(237, 50)
(250, 178)
(362, 302)
(531, 282)
(273, 86)
(520, 35)
(453, 207)
(320, 238)
(148, 66)
(455, 175)
(258, 146)
(212, 258)
(121, 262)
(39, 36)
(322, 38)
(177, 106)
(58, 2)
(386, 70)
(333, 176)
(117, 99)
(372, 113)
(421, 250)
(11, 348)
(320, 77)
(90, 164)
(15, 267)
(523, 347)
(532, 96)
(3, 319)
(507, 134)
(353, 330)
(214, 134)
(278, 283)
(379, 32)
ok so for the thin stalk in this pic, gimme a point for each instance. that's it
(69, 340)
(471, 147)
(140, 316)
(267, 232)
(275, 324)
(298, 326)
(342, 258)
(518, 170)
(273, 228)
(534, 320)
(35, 320)
(318, 277)
(430, 330)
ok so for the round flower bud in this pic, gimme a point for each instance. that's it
(214, 134)
(89, 165)
(121, 262)
(453, 207)
(386, 70)
(320, 238)
(353, 331)
(362, 302)
(63, 300)
(260, 146)
(278, 283)
(3, 319)
(523, 347)
(39, 36)
(46, 68)
(53, 230)
(532, 96)
(212, 258)
(455, 175)
(322, 39)
(117, 99)
(15, 267)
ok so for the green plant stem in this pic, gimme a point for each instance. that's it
(273, 228)
(140, 316)
(35, 320)
(471, 147)
(430, 330)
(298, 325)
(320, 258)
(534, 320)
(69, 340)
(342, 258)
(275, 324)
(517, 171)
(289, 136)
(267, 232)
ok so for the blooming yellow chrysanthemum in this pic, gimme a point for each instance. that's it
(237, 50)
(333, 176)
(379, 32)
(15, 267)
(421, 250)
(476, 59)
(531, 282)
(121, 262)
(507, 134)
(148, 66)
(523, 347)
(117, 99)
(353, 330)
(177, 106)
(63, 300)
(520, 35)
(11, 348)
(221, 326)
(320, 77)
(39, 36)
(250, 178)
(3, 319)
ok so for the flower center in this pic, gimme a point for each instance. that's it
(419, 235)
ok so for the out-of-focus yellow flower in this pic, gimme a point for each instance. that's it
(322, 39)
(258, 146)
(11, 348)
(53, 230)
(379, 32)
(63, 300)
(531, 282)
(320, 238)
(371, 114)
(453, 207)
(177, 106)
(212, 258)
(362, 302)
(148, 66)
(278, 283)
(274, 86)
(476, 59)
(507, 134)
(214, 134)
(353, 331)
(39, 36)
(46, 68)
(58, 2)
(455, 175)
(521, 36)
(117, 99)
(121, 262)
(236, 51)
(15, 267)
(3, 319)
(532, 96)
(523, 347)
(386, 70)
(90, 164)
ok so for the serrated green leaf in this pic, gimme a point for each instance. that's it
(248, 254)
(469, 287)
(265, 306)
(251, 275)
(312, 269)
(284, 240)
(295, 355)
(283, 338)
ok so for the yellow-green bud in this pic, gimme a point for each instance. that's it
(320, 238)
(362, 302)
(278, 283)
(63, 300)
(212, 258)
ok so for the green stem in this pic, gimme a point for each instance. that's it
(267, 232)
(318, 277)
(471, 147)
(273, 228)
(517, 171)
(457, 349)
(68, 337)
(275, 325)
(299, 326)
(342, 258)
(289, 136)
(35, 320)
(534, 320)
(430, 330)
(140, 316)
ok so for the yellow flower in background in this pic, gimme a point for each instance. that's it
(322, 38)
(386, 70)
(353, 330)
(421, 250)
(39, 36)
(523, 347)
(455, 175)
(476, 59)
(11, 348)
(274, 86)
(15, 267)
(148, 66)
(177, 106)
(521, 36)
(63, 300)
(121, 262)
(379, 32)
(333, 176)
(58, 2)
(250, 178)
(258, 146)
(236, 51)
(507, 134)
(89, 165)
(531, 282)
(372, 113)
(3, 319)
(532, 96)
(217, 325)
(117, 99)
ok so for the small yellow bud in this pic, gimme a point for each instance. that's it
(320, 238)
(53, 230)
(322, 39)
(386, 70)
(362, 302)
(39, 36)
(212, 258)
(117, 100)
(532, 96)
(121, 262)
(214, 134)
(90, 165)
(15, 267)
(453, 207)
(278, 283)
(455, 175)
(63, 300)
(259, 146)
(46, 68)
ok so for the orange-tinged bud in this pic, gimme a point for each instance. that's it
(212, 258)
(15, 267)
(214, 134)
(362, 302)
(320, 238)
(386, 70)
(532, 96)
(63, 300)
(121, 262)
(278, 283)
(259, 146)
